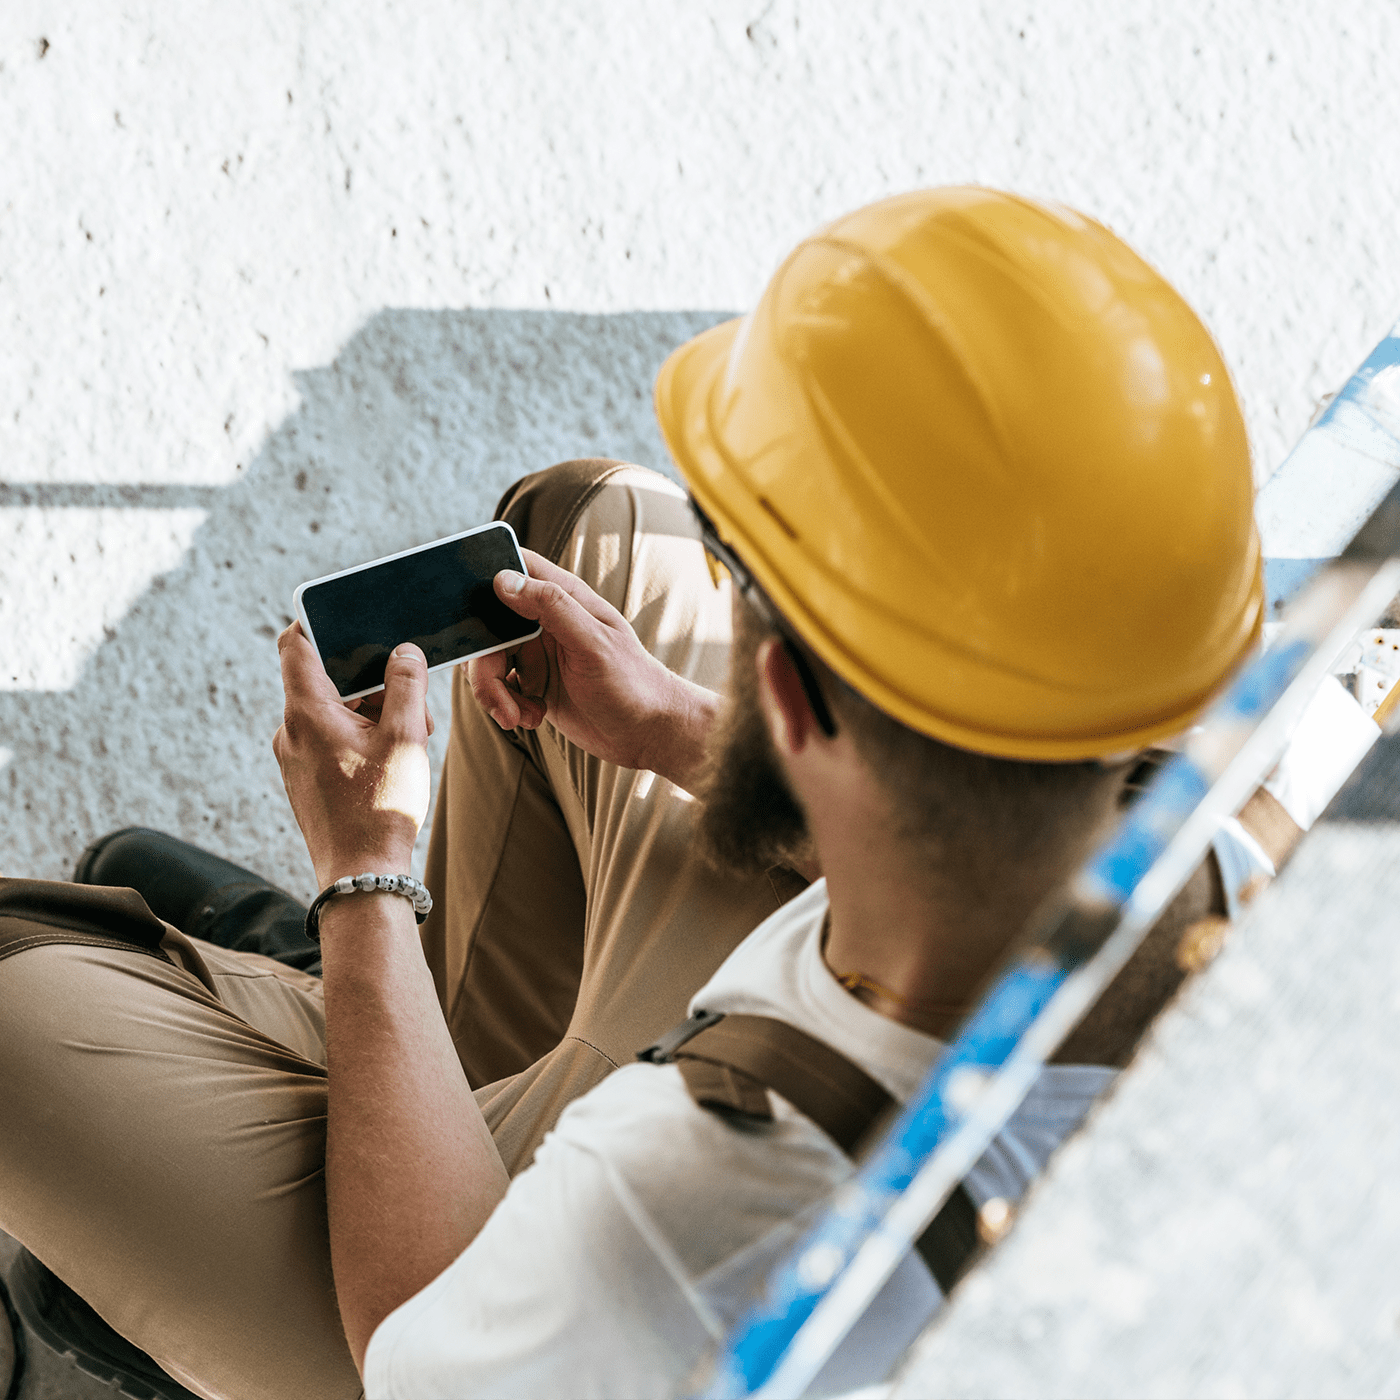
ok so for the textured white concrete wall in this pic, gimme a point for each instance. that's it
(284, 286)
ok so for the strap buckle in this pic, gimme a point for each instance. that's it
(666, 1047)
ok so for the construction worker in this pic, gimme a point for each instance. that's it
(981, 491)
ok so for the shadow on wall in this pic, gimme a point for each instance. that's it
(140, 680)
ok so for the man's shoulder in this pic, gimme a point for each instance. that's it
(644, 1112)
(696, 1175)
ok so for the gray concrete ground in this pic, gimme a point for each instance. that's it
(284, 286)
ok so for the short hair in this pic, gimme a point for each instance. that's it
(955, 797)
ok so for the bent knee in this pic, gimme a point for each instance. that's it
(545, 508)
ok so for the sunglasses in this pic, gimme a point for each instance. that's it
(759, 601)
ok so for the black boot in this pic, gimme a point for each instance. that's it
(12, 1353)
(203, 895)
(53, 1314)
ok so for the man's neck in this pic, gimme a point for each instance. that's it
(915, 933)
(919, 920)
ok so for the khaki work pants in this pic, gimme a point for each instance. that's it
(162, 1108)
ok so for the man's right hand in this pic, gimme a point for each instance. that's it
(590, 676)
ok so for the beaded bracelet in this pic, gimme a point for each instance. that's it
(405, 885)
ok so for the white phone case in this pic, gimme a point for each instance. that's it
(417, 549)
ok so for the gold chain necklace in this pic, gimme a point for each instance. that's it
(865, 988)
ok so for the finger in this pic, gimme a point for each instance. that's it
(553, 607)
(369, 706)
(492, 694)
(507, 707)
(541, 568)
(532, 669)
(304, 679)
(485, 675)
(405, 710)
(531, 709)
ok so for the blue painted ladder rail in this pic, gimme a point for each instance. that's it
(1069, 957)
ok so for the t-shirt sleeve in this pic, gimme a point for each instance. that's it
(564, 1293)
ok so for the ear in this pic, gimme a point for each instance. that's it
(782, 698)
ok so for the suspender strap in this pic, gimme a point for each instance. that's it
(730, 1062)
(663, 1052)
(37, 912)
(756, 1053)
(951, 1244)
(725, 1090)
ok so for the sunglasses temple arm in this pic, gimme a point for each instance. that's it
(811, 689)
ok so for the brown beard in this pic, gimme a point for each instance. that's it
(749, 819)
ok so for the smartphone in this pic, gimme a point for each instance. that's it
(438, 595)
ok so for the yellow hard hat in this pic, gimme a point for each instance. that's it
(989, 466)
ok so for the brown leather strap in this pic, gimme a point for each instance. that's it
(1267, 820)
(951, 1244)
(38, 912)
(723, 1089)
(819, 1082)
(730, 1062)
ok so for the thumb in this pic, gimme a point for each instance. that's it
(405, 712)
(549, 604)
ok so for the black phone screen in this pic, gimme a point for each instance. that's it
(440, 597)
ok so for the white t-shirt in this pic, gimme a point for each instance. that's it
(620, 1258)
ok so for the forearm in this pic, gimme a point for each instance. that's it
(411, 1172)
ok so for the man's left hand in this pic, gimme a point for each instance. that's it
(358, 786)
